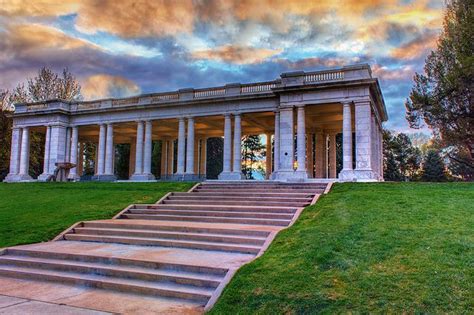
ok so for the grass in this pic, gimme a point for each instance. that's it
(36, 212)
(367, 248)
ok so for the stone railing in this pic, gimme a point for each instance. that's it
(164, 97)
(257, 87)
(210, 92)
(324, 76)
(288, 79)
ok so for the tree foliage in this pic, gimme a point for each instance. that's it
(402, 160)
(252, 152)
(44, 86)
(433, 167)
(442, 97)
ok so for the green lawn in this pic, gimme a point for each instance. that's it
(367, 248)
(35, 212)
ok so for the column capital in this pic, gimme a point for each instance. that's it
(300, 106)
(347, 103)
(227, 115)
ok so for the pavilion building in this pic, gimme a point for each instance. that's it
(300, 113)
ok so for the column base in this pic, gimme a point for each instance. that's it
(346, 175)
(366, 176)
(75, 177)
(142, 177)
(45, 177)
(289, 175)
(231, 176)
(358, 176)
(104, 178)
(12, 178)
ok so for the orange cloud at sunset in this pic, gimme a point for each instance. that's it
(236, 54)
(415, 48)
(104, 86)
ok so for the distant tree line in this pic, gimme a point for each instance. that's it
(429, 162)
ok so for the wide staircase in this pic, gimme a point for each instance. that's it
(182, 247)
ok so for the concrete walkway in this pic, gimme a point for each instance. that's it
(172, 257)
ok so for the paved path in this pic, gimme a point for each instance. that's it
(175, 256)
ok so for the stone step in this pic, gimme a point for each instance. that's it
(218, 238)
(175, 228)
(267, 193)
(241, 220)
(173, 201)
(214, 213)
(249, 249)
(117, 261)
(197, 196)
(205, 207)
(139, 273)
(259, 190)
(171, 290)
(263, 184)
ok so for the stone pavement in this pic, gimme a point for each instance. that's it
(172, 257)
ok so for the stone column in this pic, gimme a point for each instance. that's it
(203, 160)
(57, 146)
(170, 160)
(164, 157)
(80, 162)
(309, 154)
(14, 155)
(268, 156)
(25, 154)
(101, 155)
(325, 155)
(181, 146)
(276, 144)
(237, 163)
(73, 155)
(347, 173)
(197, 151)
(301, 144)
(132, 157)
(320, 145)
(363, 128)
(227, 147)
(46, 173)
(68, 144)
(138, 174)
(332, 155)
(190, 149)
(381, 152)
(147, 152)
(109, 151)
(286, 140)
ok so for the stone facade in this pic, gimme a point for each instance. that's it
(302, 112)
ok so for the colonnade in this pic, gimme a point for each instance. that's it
(313, 157)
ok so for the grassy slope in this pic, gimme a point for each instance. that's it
(367, 248)
(35, 212)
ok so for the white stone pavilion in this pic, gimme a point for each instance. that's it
(301, 113)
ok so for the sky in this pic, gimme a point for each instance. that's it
(122, 48)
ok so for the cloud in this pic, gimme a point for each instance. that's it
(41, 8)
(29, 38)
(104, 86)
(236, 54)
(397, 74)
(415, 48)
(138, 18)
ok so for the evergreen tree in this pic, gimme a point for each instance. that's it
(122, 160)
(252, 151)
(433, 167)
(442, 97)
(215, 154)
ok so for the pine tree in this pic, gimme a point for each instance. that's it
(433, 167)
